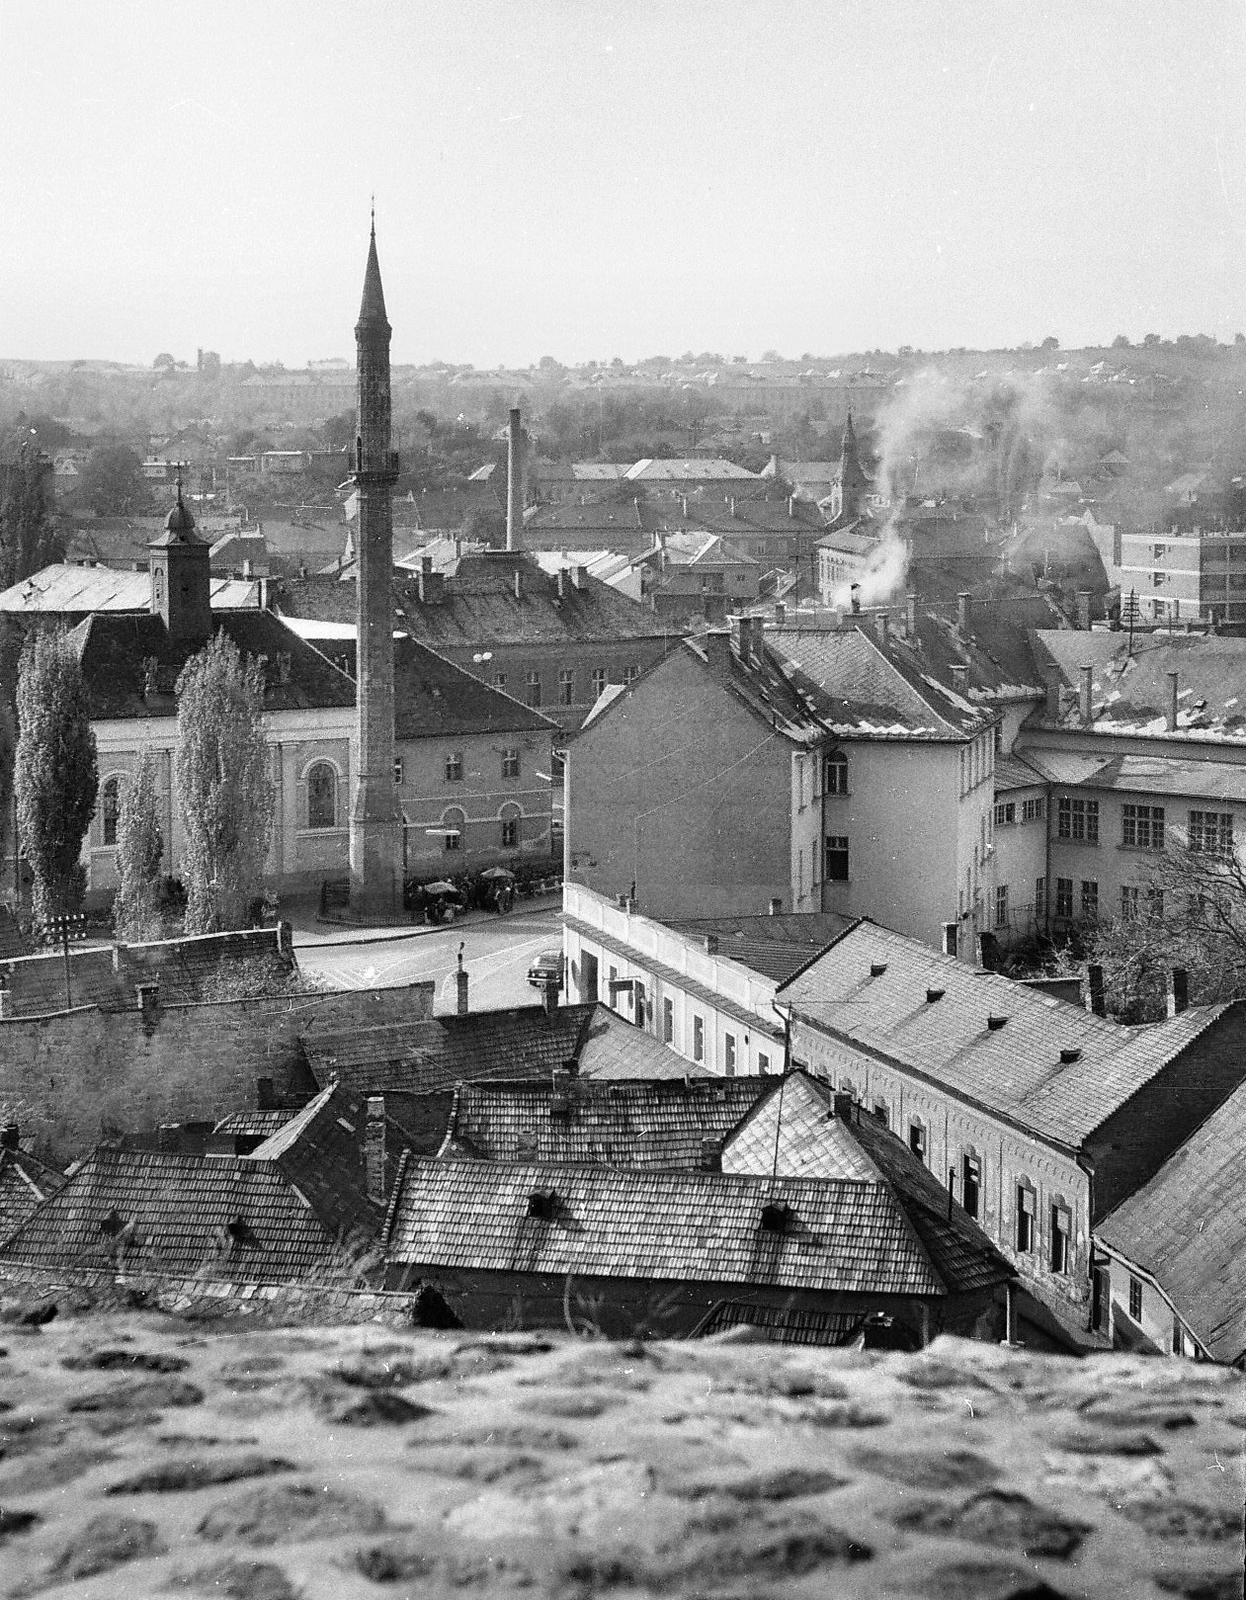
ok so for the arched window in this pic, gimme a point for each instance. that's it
(110, 810)
(322, 795)
(454, 822)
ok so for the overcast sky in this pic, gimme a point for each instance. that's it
(584, 179)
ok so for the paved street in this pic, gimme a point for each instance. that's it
(497, 953)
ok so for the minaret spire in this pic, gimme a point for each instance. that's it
(375, 826)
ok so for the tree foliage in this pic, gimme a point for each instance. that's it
(224, 792)
(56, 777)
(1192, 914)
(112, 481)
(140, 847)
(28, 539)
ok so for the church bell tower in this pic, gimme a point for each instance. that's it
(375, 824)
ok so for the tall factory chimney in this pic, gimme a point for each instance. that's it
(375, 828)
(514, 482)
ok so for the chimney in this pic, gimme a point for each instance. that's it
(711, 944)
(1170, 718)
(949, 939)
(883, 623)
(960, 677)
(425, 575)
(10, 1137)
(1085, 674)
(1083, 610)
(791, 505)
(964, 613)
(855, 593)
(518, 584)
(843, 1107)
(579, 577)
(374, 1148)
(265, 1099)
(733, 505)
(246, 567)
(776, 906)
(1178, 991)
(549, 998)
(780, 612)
(910, 615)
(148, 998)
(1096, 1002)
(718, 651)
(460, 983)
(711, 1155)
(514, 482)
(1052, 676)
(564, 578)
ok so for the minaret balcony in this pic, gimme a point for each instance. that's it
(375, 464)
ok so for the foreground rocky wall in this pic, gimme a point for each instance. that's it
(145, 1454)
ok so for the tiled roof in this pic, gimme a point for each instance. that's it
(784, 1324)
(172, 1214)
(843, 1236)
(774, 946)
(112, 650)
(252, 1124)
(1012, 772)
(611, 1047)
(1129, 689)
(1157, 774)
(1186, 1228)
(434, 697)
(1015, 1070)
(70, 590)
(25, 1183)
(630, 1124)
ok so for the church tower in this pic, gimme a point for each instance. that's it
(181, 577)
(850, 486)
(375, 826)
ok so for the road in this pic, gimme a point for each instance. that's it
(496, 953)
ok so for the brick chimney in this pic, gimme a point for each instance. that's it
(1095, 996)
(514, 482)
(1178, 991)
(460, 983)
(910, 615)
(1083, 610)
(1054, 681)
(1170, 713)
(964, 613)
(717, 646)
(374, 1148)
(950, 939)
(883, 623)
(1085, 690)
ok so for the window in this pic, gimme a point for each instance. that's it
(1025, 1217)
(1155, 904)
(835, 772)
(1059, 1239)
(1040, 897)
(1157, 580)
(454, 823)
(882, 1112)
(1090, 900)
(971, 1184)
(510, 763)
(1142, 827)
(1135, 1299)
(729, 1053)
(534, 688)
(599, 682)
(110, 809)
(668, 1022)
(1064, 897)
(454, 767)
(1077, 819)
(399, 771)
(1178, 1337)
(1005, 813)
(322, 796)
(1129, 904)
(499, 681)
(1033, 810)
(510, 828)
(836, 858)
(917, 1140)
(630, 674)
(566, 687)
(1212, 832)
(763, 1061)
(1001, 905)
(698, 1039)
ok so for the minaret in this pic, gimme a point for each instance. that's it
(852, 482)
(375, 827)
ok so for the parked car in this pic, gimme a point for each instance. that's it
(547, 970)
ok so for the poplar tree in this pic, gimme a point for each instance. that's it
(224, 792)
(56, 777)
(28, 540)
(140, 847)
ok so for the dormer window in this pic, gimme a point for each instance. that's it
(776, 1217)
(542, 1204)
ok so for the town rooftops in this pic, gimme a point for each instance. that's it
(432, 696)
(1131, 690)
(68, 590)
(1186, 1229)
(1139, 774)
(655, 1123)
(774, 946)
(25, 1183)
(692, 470)
(131, 665)
(1042, 1065)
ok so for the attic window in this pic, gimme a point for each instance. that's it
(776, 1217)
(995, 1023)
(877, 968)
(1068, 1056)
(542, 1203)
(240, 1231)
(112, 1224)
(934, 994)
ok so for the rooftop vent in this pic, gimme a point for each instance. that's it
(1069, 1055)
(776, 1217)
(995, 1023)
(934, 994)
(542, 1203)
(877, 968)
(112, 1224)
(240, 1231)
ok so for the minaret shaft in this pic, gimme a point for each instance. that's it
(375, 823)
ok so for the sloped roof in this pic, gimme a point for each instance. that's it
(1186, 1228)
(1011, 772)
(434, 697)
(691, 470)
(1129, 691)
(634, 1123)
(774, 946)
(1157, 774)
(844, 1236)
(25, 1183)
(253, 1124)
(112, 650)
(68, 590)
(1016, 1070)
